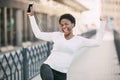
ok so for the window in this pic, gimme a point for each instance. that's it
(7, 27)
(10, 26)
(3, 29)
(0, 26)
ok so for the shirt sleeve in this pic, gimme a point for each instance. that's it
(99, 36)
(47, 36)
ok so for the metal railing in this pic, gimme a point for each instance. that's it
(89, 34)
(25, 63)
(117, 43)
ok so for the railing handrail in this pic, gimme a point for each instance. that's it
(24, 64)
(19, 62)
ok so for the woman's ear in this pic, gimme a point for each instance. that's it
(73, 25)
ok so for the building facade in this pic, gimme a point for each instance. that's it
(15, 28)
(111, 10)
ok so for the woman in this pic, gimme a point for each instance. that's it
(66, 46)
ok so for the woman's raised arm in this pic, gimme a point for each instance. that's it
(47, 36)
(99, 35)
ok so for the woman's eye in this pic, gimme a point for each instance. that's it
(66, 23)
(61, 25)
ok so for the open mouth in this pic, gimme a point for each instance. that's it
(66, 30)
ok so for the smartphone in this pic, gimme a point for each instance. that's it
(29, 6)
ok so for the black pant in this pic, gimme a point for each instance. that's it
(47, 73)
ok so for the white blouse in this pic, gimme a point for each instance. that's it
(64, 51)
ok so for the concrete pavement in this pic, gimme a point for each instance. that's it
(96, 63)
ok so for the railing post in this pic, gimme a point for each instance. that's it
(25, 64)
(49, 48)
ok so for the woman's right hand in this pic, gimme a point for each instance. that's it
(31, 12)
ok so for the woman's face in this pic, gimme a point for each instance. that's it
(66, 26)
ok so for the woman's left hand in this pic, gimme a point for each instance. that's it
(103, 19)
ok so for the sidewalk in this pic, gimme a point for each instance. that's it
(97, 63)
